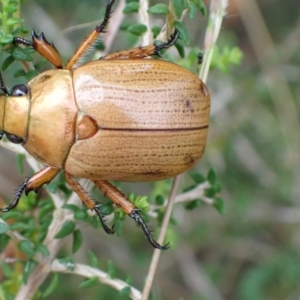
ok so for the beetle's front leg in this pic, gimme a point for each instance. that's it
(120, 200)
(43, 47)
(145, 51)
(32, 184)
(87, 200)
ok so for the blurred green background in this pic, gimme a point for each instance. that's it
(252, 252)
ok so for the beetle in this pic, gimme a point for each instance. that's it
(126, 117)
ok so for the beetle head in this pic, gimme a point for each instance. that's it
(14, 109)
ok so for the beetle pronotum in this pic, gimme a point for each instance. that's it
(123, 117)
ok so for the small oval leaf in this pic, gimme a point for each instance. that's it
(7, 62)
(14, 21)
(158, 9)
(93, 259)
(131, 7)
(29, 267)
(26, 247)
(77, 240)
(19, 53)
(219, 204)
(88, 282)
(67, 262)
(52, 286)
(66, 229)
(184, 34)
(137, 29)
(3, 227)
(212, 176)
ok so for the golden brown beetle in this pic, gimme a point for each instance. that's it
(123, 117)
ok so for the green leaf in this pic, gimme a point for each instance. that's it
(179, 7)
(137, 29)
(8, 39)
(4, 227)
(129, 1)
(141, 203)
(77, 240)
(159, 8)
(19, 73)
(184, 34)
(95, 222)
(155, 30)
(193, 204)
(66, 229)
(111, 269)
(19, 53)
(10, 215)
(6, 269)
(14, 21)
(107, 208)
(212, 176)
(45, 210)
(118, 222)
(42, 249)
(180, 49)
(193, 10)
(93, 259)
(52, 286)
(89, 282)
(31, 74)
(11, 8)
(197, 177)
(20, 162)
(210, 192)
(131, 7)
(7, 62)
(159, 200)
(26, 247)
(81, 214)
(67, 262)
(29, 267)
(125, 291)
(219, 204)
(71, 207)
(201, 6)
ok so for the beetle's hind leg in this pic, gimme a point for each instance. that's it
(120, 200)
(43, 47)
(144, 51)
(32, 184)
(88, 201)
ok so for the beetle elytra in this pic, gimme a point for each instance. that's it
(124, 117)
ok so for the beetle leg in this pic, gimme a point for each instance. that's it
(88, 201)
(43, 47)
(120, 200)
(145, 51)
(32, 184)
(91, 38)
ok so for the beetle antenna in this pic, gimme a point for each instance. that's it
(98, 211)
(138, 218)
(18, 195)
(3, 87)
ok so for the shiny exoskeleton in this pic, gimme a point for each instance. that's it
(124, 117)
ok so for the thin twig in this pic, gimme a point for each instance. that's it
(144, 18)
(89, 272)
(156, 254)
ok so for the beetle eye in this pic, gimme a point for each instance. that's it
(1, 135)
(14, 138)
(19, 90)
